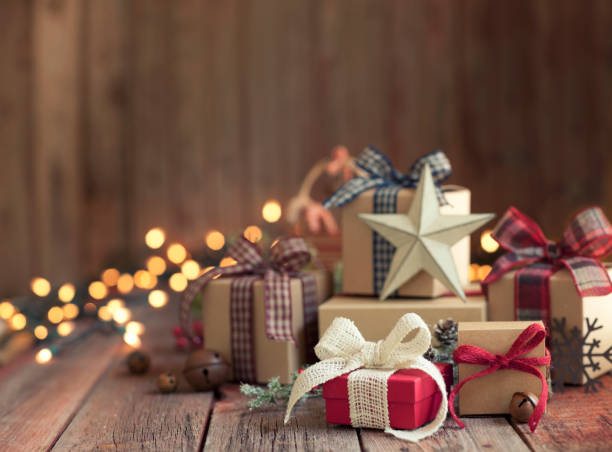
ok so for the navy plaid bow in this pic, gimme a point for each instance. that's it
(381, 173)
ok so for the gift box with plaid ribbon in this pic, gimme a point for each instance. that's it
(367, 256)
(538, 279)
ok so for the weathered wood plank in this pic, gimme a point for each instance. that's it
(575, 421)
(234, 427)
(39, 400)
(15, 146)
(127, 412)
(494, 433)
(57, 208)
(104, 168)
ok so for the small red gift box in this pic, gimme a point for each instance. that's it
(413, 397)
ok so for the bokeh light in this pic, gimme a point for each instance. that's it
(227, 262)
(488, 243)
(66, 292)
(121, 315)
(41, 332)
(131, 339)
(110, 276)
(114, 304)
(145, 280)
(70, 311)
(43, 356)
(253, 233)
(156, 265)
(473, 272)
(40, 286)
(55, 314)
(215, 240)
(155, 238)
(97, 290)
(191, 269)
(271, 211)
(65, 328)
(104, 313)
(135, 327)
(176, 253)
(178, 282)
(6, 310)
(125, 283)
(483, 271)
(90, 308)
(18, 321)
(159, 298)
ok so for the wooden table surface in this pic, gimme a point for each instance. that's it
(86, 400)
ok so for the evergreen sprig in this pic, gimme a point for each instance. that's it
(274, 393)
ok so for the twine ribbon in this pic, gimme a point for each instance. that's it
(529, 338)
(286, 258)
(587, 238)
(343, 349)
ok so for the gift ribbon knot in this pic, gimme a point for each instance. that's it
(529, 338)
(587, 238)
(342, 349)
(285, 260)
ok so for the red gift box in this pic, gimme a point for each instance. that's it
(413, 397)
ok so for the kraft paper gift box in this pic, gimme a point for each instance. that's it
(357, 237)
(272, 359)
(565, 302)
(491, 394)
(374, 319)
(413, 397)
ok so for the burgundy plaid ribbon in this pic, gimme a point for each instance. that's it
(286, 258)
(587, 238)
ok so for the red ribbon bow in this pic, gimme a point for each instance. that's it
(587, 238)
(530, 338)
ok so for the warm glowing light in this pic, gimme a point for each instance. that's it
(473, 272)
(156, 265)
(6, 310)
(125, 283)
(205, 270)
(43, 356)
(18, 322)
(70, 311)
(176, 253)
(271, 211)
(65, 328)
(483, 271)
(191, 269)
(89, 307)
(55, 314)
(155, 238)
(40, 286)
(135, 327)
(105, 314)
(159, 298)
(178, 282)
(66, 292)
(488, 243)
(98, 290)
(145, 280)
(41, 332)
(114, 304)
(121, 315)
(215, 240)
(110, 276)
(227, 262)
(131, 339)
(253, 233)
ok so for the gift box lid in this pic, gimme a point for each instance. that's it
(404, 386)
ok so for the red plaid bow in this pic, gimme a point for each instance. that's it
(530, 338)
(587, 238)
(286, 258)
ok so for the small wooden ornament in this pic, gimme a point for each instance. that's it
(205, 370)
(522, 405)
(138, 362)
(167, 382)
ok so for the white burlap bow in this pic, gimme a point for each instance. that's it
(343, 349)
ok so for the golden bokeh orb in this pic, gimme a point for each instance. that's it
(253, 233)
(70, 311)
(97, 290)
(483, 271)
(144, 279)
(215, 240)
(40, 286)
(110, 276)
(6, 310)
(159, 298)
(135, 327)
(18, 321)
(156, 265)
(125, 283)
(55, 314)
(65, 328)
(271, 211)
(41, 332)
(155, 238)
(66, 292)
(191, 269)
(176, 253)
(178, 282)
(488, 243)
(43, 356)
(105, 314)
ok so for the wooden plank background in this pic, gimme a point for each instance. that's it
(119, 115)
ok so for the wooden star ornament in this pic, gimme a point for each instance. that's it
(423, 238)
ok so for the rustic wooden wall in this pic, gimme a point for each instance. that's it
(117, 115)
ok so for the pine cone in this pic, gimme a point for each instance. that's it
(430, 354)
(446, 332)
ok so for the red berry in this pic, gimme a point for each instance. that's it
(177, 331)
(197, 328)
(182, 343)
